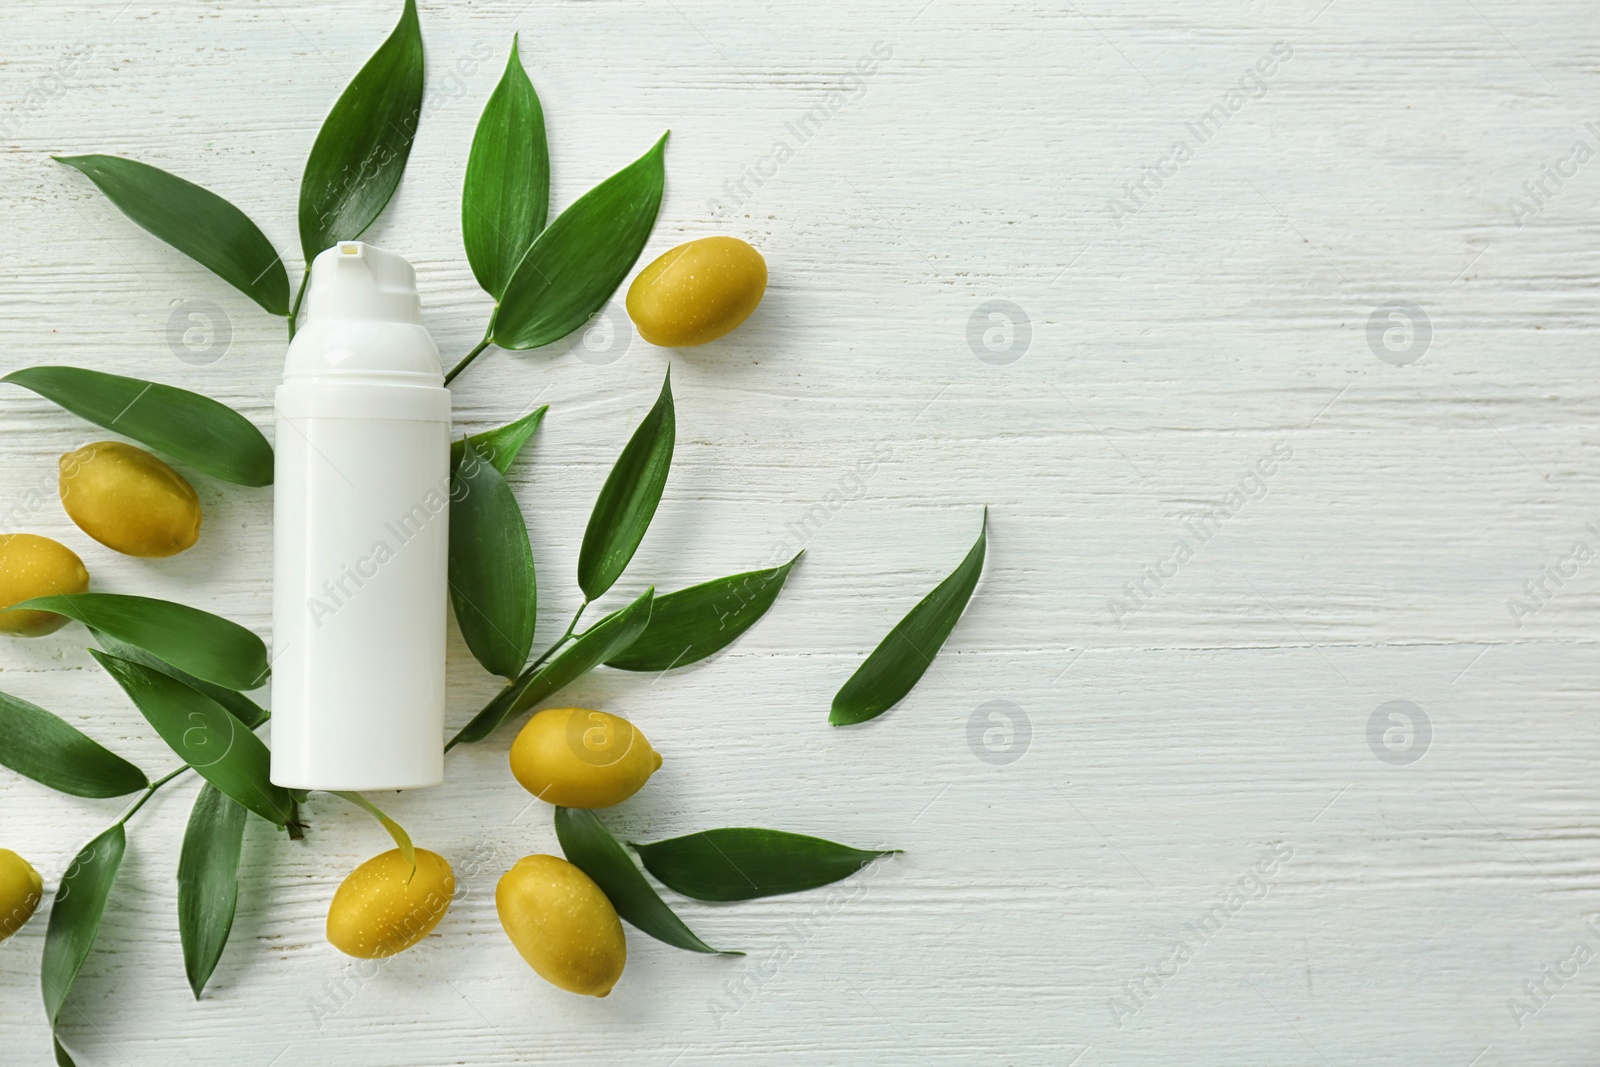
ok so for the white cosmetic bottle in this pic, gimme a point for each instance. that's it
(361, 528)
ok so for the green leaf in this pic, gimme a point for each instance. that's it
(396, 831)
(185, 426)
(207, 646)
(578, 261)
(360, 153)
(900, 659)
(507, 192)
(691, 624)
(53, 752)
(591, 848)
(627, 502)
(208, 882)
(243, 708)
(741, 863)
(594, 646)
(205, 736)
(492, 582)
(500, 446)
(195, 221)
(75, 923)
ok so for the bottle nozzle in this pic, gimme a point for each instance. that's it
(355, 280)
(362, 320)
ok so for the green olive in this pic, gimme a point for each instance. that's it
(383, 907)
(129, 500)
(33, 566)
(21, 889)
(562, 924)
(579, 758)
(697, 292)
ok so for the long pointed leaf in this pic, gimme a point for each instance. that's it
(502, 445)
(492, 581)
(361, 151)
(742, 863)
(689, 625)
(190, 428)
(578, 261)
(195, 221)
(590, 847)
(75, 917)
(205, 645)
(506, 196)
(594, 646)
(900, 660)
(628, 500)
(53, 752)
(208, 882)
(243, 708)
(205, 736)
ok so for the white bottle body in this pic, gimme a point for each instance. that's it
(361, 538)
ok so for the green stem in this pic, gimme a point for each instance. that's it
(530, 668)
(396, 831)
(294, 311)
(150, 792)
(459, 367)
(571, 626)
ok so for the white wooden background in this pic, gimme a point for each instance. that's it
(1165, 352)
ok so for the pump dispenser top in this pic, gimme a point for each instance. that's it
(359, 305)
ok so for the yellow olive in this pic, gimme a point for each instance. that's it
(579, 758)
(129, 500)
(697, 292)
(21, 889)
(383, 908)
(33, 566)
(562, 924)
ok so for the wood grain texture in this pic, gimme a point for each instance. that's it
(1170, 750)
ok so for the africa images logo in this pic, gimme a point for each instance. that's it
(1199, 131)
(851, 87)
(1199, 527)
(1553, 977)
(1250, 887)
(1539, 191)
(342, 587)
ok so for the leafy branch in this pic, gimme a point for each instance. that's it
(188, 672)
